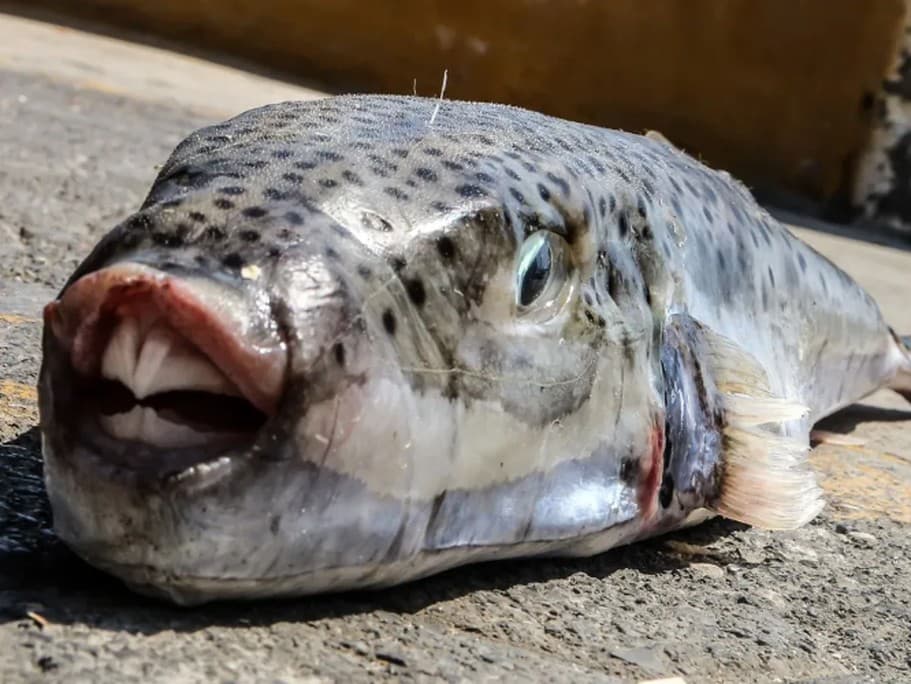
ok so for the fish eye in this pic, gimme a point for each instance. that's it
(542, 270)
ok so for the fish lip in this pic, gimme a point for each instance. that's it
(73, 328)
(77, 319)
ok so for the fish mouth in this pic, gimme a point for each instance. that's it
(158, 372)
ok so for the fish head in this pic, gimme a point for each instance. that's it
(411, 354)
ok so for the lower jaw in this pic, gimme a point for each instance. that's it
(85, 446)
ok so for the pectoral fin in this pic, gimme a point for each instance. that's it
(765, 478)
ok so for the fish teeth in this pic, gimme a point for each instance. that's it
(159, 361)
(143, 424)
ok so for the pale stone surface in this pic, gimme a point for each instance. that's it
(719, 603)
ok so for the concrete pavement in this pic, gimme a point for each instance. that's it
(81, 133)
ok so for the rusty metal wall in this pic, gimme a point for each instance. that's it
(778, 92)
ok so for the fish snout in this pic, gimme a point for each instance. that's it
(163, 360)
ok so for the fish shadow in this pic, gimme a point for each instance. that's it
(39, 575)
(844, 422)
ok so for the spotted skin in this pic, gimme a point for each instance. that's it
(424, 423)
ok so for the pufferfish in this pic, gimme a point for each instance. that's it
(352, 342)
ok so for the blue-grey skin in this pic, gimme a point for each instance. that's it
(425, 418)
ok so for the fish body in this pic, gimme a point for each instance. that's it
(356, 341)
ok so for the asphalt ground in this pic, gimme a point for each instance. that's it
(84, 121)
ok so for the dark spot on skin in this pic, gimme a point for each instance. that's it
(755, 239)
(771, 277)
(666, 492)
(351, 177)
(426, 174)
(274, 252)
(602, 207)
(294, 218)
(614, 281)
(446, 247)
(395, 192)
(364, 271)
(647, 232)
(599, 167)
(559, 182)
(389, 321)
(197, 216)
(233, 260)
(544, 192)
(171, 203)
(433, 151)
(452, 166)
(628, 470)
(232, 190)
(623, 224)
(305, 165)
(140, 222)
(721, 263)
(708, 214)
(274, 194)
(470, 191)
(803, 263)
(167, 239)
(484, 177)
(416, 293)
(223, 203)
(282, 154)
(441, 207)
(328, 182)
(331, 253)
(254, 212)
(399, 152)
(274, 523)
(338, 350)
(398, 263)
(249, 235)
(640, 207)
(329, 156)
(517, 195)
(511, 174)
(214, 233)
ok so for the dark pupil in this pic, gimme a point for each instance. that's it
(535, 277)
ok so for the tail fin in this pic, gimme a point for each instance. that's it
(901, 383)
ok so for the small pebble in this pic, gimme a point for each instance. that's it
(863, 537)
(707, 570)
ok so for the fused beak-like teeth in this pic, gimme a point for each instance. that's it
(149, 358)
(157, 360)
(166, 360)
